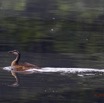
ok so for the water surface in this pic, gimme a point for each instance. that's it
(53, 84)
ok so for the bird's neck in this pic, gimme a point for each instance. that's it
(15, 62)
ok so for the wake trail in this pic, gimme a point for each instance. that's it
(85, 71)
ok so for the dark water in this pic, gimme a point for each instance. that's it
(51, 87)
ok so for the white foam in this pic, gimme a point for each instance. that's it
(62, 70)
(7, 68)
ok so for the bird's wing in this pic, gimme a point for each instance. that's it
(31, 65)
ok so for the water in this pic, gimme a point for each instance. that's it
(52, 84)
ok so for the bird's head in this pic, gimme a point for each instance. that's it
(15, 52)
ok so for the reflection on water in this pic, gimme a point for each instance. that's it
(53, 85)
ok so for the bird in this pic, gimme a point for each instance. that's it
(16, 67)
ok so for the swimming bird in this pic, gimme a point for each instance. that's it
(19, 68)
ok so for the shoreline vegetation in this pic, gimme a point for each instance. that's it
(64, 26)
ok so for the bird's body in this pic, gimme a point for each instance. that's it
(19, 68)
(23, 67)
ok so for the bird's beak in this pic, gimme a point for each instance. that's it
(10, 51)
